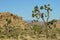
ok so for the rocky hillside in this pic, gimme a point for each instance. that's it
(13, 27)
(15, 20)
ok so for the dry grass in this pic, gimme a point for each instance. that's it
(24, 31)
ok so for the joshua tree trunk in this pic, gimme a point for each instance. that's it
(46, 29)
(47, 25)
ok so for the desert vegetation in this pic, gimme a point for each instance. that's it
(13, 27)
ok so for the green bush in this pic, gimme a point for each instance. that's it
(37, 28)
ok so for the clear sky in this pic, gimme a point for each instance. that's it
(24, 8)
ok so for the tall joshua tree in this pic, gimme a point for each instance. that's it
(37, 12)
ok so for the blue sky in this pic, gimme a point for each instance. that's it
(24, 8)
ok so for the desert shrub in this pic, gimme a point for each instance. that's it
(13, 32)
(24, 39)
(53, 36)
(37, 28)
(8, 21)
(1, 33)
(9, 31)
(58, 31)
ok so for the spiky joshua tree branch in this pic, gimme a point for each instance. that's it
(37, 13)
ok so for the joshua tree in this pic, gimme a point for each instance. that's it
(43, 15)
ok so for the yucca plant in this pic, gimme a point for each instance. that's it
(43, 15)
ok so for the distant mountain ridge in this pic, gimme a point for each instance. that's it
(41, 23)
